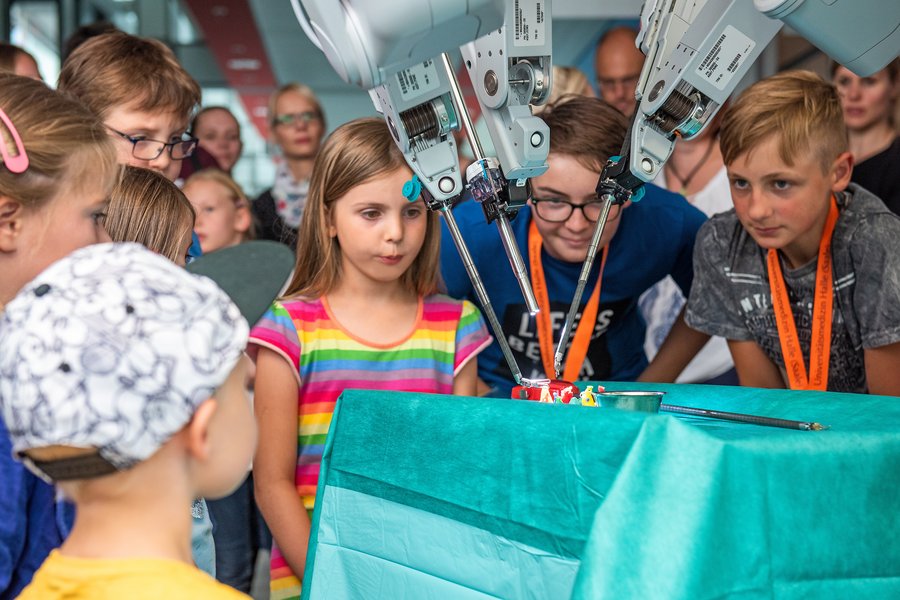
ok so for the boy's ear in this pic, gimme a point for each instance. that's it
(11, 211)
(198, 430)
(841, 170)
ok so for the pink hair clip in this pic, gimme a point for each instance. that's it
(19, 162)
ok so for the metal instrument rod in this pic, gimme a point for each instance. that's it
(582, 281)
(743, 418)
(478, 284)
(517, 264)
(457, 96)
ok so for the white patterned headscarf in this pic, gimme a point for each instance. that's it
(112, 348)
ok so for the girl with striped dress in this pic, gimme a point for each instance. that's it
(362, 311)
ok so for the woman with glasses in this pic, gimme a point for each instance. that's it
(642, 243)
(297, 125)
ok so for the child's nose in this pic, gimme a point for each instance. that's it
(759, 207)
(394, 228)
(577, 221)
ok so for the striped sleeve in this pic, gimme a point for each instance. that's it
(277, 332)
(471, 336)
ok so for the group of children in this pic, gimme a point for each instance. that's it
(122, 377)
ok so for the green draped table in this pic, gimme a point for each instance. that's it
(424, 496)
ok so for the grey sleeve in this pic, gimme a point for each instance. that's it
(876, 296)
(713, 307)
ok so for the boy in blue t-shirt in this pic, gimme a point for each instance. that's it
(644, 242)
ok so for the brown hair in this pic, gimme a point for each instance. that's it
(118, 69)
(800, 107)
(234, 190)
(590, 130)
(209, 109)
(299, 88)
(64, 142)
(8, 54)
(149, 209)
(353, 154)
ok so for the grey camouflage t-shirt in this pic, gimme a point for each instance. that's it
(730, 296)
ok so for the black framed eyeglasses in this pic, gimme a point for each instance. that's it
(144, 149)
(555, 210)
(306, 117)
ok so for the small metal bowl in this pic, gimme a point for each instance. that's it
(638, 401)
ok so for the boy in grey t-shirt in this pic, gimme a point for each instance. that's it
(803, 276)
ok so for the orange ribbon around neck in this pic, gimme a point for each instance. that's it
(578, 351)
(820, 345)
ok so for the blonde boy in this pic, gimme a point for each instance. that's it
(803, 276)
(122, 380)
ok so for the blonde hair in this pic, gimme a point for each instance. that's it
(567, 83)
(118, 69)
(234, 190)
(298, 88)
(149, 209)
(353, 154)
(66, 144)
(800, 107)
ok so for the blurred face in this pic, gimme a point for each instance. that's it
(618, 63)
(25, 66)
(220, 221)
(379, 231)
(220, 134)
(867, 101)
(71, 220)
(781, 206)
(232, 436)
(145, 125)
(567, 180)
(297, 129)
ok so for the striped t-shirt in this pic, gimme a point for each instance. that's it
(328, 359)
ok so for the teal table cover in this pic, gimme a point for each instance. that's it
(426, 496)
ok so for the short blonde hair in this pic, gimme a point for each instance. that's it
(67, 146)
(118, 69)
(149, 209)
(235, 192)
(567, 83)
(800, 107)
(355, 153)
(298, 88)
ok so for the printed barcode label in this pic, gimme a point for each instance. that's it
(418, 80)
(530, 23)
(725, 58)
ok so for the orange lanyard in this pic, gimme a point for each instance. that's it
(577, 353)
(820, 345)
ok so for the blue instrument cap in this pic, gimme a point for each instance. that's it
(412, 189)
(637, 194)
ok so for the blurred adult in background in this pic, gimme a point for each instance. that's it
(14, 59)
(219, 133)
(696, 171)
(297, 125)
(618, 62)
(567, 81)
(870, 107)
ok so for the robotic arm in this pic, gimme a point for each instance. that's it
(697, 53)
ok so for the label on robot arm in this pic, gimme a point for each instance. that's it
(418, 80)
(725, 58)
(529, 22)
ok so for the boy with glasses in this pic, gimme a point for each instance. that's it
(141, 93)
(641, 244)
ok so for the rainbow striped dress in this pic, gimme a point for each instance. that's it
(328, 359)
